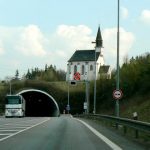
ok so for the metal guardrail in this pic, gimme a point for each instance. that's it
(135, 124)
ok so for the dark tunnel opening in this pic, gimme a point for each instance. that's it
(39, 104)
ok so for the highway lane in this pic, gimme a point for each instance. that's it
(57, 133)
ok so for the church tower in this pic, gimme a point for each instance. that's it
(98, 48)
(99, 41)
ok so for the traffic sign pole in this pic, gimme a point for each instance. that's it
(117, 82)
(68, 96)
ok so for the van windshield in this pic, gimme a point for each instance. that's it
(13, 101)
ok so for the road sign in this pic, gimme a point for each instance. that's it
(117, 94)
(77, 76)
(68, 107)
(85, 105)
(73, 83)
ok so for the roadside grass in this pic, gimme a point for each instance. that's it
(143, 138)
(139, 104)
(63, 85)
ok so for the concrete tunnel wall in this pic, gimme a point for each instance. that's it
(39, 103)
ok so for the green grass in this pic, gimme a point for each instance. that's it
(139, 104)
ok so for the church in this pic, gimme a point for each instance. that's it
(88, 65)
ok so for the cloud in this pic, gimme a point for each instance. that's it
(124, 12)
(32, 48)
(1, 49)
(31, 42)
(28, 40)
(77, 37)
(145, 16)
(110, 44)
(67, 39)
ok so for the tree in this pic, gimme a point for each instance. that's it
(17, 74)
(28, 75)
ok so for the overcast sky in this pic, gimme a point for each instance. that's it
(38, 32)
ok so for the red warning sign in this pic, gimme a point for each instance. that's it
(77, 76)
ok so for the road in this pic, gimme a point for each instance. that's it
(57, 133)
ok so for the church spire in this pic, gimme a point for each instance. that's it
(99, 41)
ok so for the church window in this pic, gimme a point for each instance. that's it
(69, 69)
(83, 69)
(75, 69)
(91, 67)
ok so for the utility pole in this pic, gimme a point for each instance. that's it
(10, 87)
(87, 95)
(94, 111)
(94, 107)
(98, 46)
(117, 81)
(68, 103)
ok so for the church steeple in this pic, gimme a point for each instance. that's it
(99, 41)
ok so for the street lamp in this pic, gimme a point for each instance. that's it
(99, 45)
(117, 81)
(68, 78)
(9, 82)
(94, 111)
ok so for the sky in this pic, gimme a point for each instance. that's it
(38, 32)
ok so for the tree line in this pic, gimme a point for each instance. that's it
(134, 80)
(49, 73)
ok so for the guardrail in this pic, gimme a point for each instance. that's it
(135, 124)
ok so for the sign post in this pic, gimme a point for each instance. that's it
(85, 106)
(68, 108)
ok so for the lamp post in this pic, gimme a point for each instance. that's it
(10, 84)
(68, 103)
(10, 87)
(94, 110)
(117, 81)
(94, 105)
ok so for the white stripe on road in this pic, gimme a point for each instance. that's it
(102, 137)
(4, 133)
(7, 130)
(12, 128)
(23, 130)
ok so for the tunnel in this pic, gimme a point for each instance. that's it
(39, 103)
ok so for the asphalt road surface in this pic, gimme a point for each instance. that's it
(57, 133)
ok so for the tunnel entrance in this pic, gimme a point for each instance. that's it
(39, 103)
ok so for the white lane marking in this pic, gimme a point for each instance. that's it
(23, 130)
(1, 130)
(12, 128)
(102, 137)
(23, 126)
(4, 134)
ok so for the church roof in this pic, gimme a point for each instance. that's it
(104, 69)
(99, 41)
(84, 55)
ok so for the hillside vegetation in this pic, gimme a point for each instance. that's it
(134, 82)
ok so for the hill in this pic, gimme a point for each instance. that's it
(134, 82)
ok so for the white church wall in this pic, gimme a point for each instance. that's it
(89, 74)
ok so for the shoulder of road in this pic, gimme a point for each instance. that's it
(115, 136)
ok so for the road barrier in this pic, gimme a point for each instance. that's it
(135, 124)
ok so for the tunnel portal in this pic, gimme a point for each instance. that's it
(39, 103)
